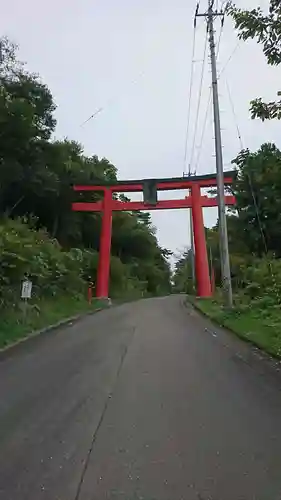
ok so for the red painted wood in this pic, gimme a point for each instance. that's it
(161, 186)
(82, 206)
(131, 206)
(201, 257)
(105, 247)
(196, 201)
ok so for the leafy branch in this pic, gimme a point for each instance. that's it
(266, 29)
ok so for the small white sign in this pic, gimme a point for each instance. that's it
(26, 289)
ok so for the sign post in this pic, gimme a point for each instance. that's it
(90, 291)
(26, 290)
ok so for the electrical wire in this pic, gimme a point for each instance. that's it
(249, 177)
(219, 40)
(207, 109)
(230, 57)
(253, 194)
(224, 4)
(92, 116)
(111, 100)
(189, 102)
(203, 132)
(199, 100)
(234, 115)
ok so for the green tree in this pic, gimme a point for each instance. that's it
(258, 196)
(182, 277)
(26, 124)
(266, 29)
(37, 176)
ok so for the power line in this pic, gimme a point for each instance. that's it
(189, 101)
(203, 131)
(248, 175)
(199, 99)
(186, 143)
(207, 108)
(219, 39)
(229, 58)
(234, 115)
(110, 101)
(253, 194)
(224, 4)
(92, 116)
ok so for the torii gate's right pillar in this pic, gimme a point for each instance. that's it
(204, 288)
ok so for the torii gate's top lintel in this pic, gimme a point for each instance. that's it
(165, 184)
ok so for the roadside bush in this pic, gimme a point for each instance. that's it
(262, 280)
(26, 251)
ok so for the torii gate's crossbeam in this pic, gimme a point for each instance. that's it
(131, 206)
(195, 201)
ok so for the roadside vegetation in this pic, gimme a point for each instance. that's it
(250, 321)
(40, 237)
(254, 227)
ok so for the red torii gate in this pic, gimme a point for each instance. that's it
(195, 200)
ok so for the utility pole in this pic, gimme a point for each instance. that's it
(210, 15)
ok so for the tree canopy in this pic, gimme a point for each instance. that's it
(265, 28)
(36, 178)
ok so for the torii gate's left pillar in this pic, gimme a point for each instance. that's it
(201, 256)
(103, 274)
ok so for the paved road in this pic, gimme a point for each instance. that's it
(142, 401)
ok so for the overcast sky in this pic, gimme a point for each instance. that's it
(133, 58)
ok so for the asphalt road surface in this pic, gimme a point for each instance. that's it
(143, 401)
